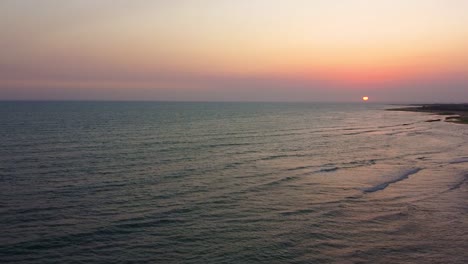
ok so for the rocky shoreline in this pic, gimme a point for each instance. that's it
(456, 113)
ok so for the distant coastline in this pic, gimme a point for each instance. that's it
(456, 113)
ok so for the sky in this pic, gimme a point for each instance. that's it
(243, 50)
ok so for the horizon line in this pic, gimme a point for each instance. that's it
(219, 101)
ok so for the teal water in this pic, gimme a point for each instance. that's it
(116, 182)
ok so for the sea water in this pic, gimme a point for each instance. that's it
(160, 182)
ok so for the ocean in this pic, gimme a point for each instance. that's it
(166, 182)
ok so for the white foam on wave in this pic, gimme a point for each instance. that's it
(400, 177)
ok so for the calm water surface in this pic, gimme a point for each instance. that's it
(96, 182)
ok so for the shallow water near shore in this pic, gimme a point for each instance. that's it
(116, 182)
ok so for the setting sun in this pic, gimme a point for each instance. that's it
(365, 98)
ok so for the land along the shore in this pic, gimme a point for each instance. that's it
(456, 113)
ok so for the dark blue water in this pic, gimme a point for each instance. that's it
(116, 182)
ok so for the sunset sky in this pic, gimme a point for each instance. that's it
(225, 50)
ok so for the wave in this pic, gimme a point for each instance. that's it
(328, 169)
(459, 160)
(301, 168)
(400, 177)
(280, 156)
(279, 181)
(321, 169)
(229, 145)
(399, 125)
(459, 184)
(361, 132)
(297, 212)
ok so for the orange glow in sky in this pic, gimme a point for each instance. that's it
(191, 50)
